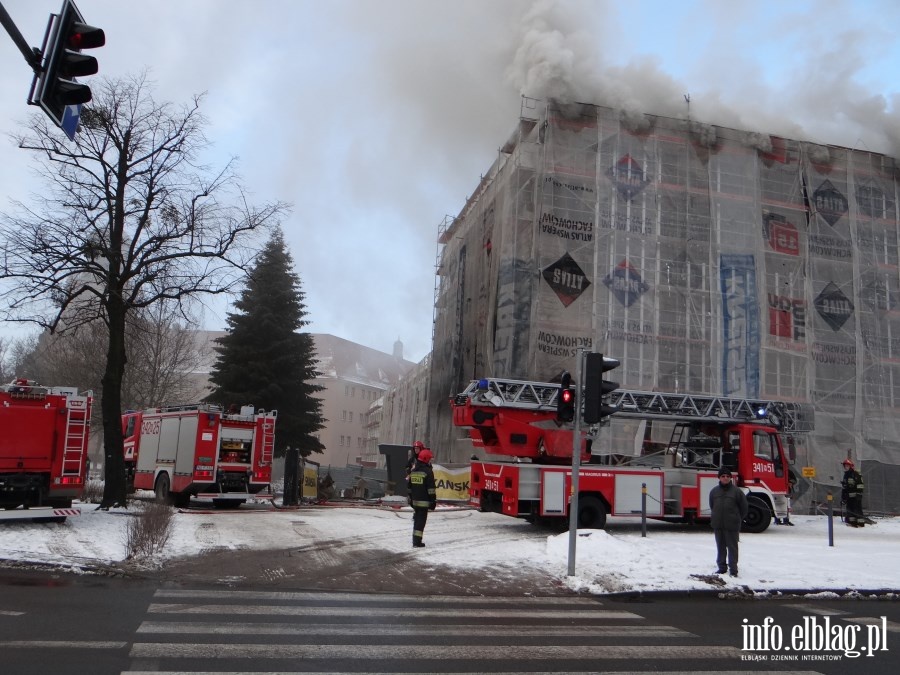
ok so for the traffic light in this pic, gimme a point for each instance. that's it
(565, 400)
(63, 62)
(595, 387)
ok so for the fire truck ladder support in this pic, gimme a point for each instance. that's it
(787, 417)
(76, 435)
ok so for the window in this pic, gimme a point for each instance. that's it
(350, 416)
(764, 446)
(343, 415)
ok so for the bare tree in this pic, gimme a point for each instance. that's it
(19, 352)
(5, 360)
(161, 357)
(129, 219)
(68, 358)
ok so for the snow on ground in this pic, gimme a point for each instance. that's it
(617, 559)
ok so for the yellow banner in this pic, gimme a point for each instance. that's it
(310, 489)
(808, 471)
(451, 484)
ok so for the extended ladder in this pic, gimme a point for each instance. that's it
(789, 417)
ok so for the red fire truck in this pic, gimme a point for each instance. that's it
(200, 450)
(43, 449)
(517, 419)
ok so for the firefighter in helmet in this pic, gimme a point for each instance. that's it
(422, 494)
(851, 494)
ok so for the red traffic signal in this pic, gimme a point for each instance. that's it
(565, 400)
(63, 62)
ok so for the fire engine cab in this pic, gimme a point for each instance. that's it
(517, 419)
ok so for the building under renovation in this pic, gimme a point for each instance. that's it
(707, 260)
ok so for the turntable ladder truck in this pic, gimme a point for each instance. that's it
(517, 419)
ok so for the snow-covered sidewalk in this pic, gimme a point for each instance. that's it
(618, 559)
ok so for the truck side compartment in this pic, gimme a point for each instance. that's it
(43, 450)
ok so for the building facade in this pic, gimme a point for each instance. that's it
(706, 259)
(353, 378)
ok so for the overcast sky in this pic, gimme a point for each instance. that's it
(376, 118)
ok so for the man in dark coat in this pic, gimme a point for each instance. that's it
(729, 508)
(851, 494)
(422, 494)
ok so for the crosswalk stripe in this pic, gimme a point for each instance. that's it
(304, 596)
(392, 612)
(810, 608)
(359, 630)
(61, 644)
(158, 650)
(492, 672)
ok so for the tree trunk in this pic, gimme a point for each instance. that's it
(114, 490)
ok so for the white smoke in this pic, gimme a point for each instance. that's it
(569, 50)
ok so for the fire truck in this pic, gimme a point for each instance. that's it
(672, 477)
(200, 450)
(43, 449)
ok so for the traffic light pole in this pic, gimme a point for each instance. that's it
(32, 56)
(576, 461)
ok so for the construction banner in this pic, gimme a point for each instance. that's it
(452, 484)
(309, 486)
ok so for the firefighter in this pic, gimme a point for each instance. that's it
(851, 494)
(422, 494)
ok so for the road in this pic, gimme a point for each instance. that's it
(61, 624)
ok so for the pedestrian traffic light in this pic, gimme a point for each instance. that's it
(596, 388)
(565, 400)
(63, 62)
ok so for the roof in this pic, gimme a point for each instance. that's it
(342, 359)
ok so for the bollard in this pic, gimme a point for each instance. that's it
(643, 509)
(830, 519)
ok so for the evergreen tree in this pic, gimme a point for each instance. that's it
(264, 360)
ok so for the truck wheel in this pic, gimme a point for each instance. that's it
(163, 494)
(591, 513)
(759, 515)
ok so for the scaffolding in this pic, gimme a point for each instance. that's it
(707, 260)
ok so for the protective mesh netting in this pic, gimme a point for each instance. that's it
(705, 259)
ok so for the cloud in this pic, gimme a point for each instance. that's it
(376, 119)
